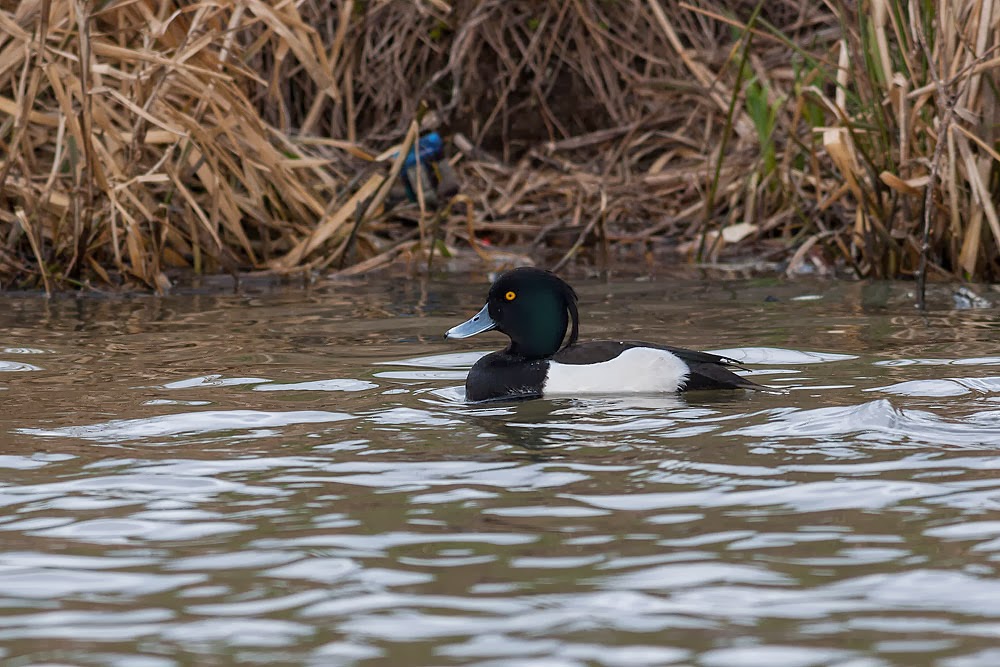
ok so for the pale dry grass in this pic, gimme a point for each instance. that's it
(916, 145)
(131, 143)
(138, 136)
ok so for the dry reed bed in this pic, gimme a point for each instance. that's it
(137, 136)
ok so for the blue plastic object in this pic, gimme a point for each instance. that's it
(431, 149)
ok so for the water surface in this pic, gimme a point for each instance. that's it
(289, 477)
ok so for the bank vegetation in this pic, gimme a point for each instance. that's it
(139, 139)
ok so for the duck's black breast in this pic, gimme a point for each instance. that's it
(500, 375)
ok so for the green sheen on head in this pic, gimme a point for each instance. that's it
(533, 307)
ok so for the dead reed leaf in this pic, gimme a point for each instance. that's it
(331, 224)
(904, 187)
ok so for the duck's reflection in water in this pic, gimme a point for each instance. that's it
(542, 424)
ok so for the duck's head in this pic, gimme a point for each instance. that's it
(533, 307)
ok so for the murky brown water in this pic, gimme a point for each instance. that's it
(289, 478)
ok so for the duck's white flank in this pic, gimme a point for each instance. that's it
(639, 370)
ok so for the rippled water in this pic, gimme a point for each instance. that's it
(290, 478)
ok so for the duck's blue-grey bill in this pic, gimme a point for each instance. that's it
(479, 323)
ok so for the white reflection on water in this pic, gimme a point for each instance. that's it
(880, 420)
(214, 380)
(972, 361)
(440, 361)
(780, 356)
(336, 384)
(17, 367)
(942, 387)
(187, 423)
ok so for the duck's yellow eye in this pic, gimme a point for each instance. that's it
(510, 296)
